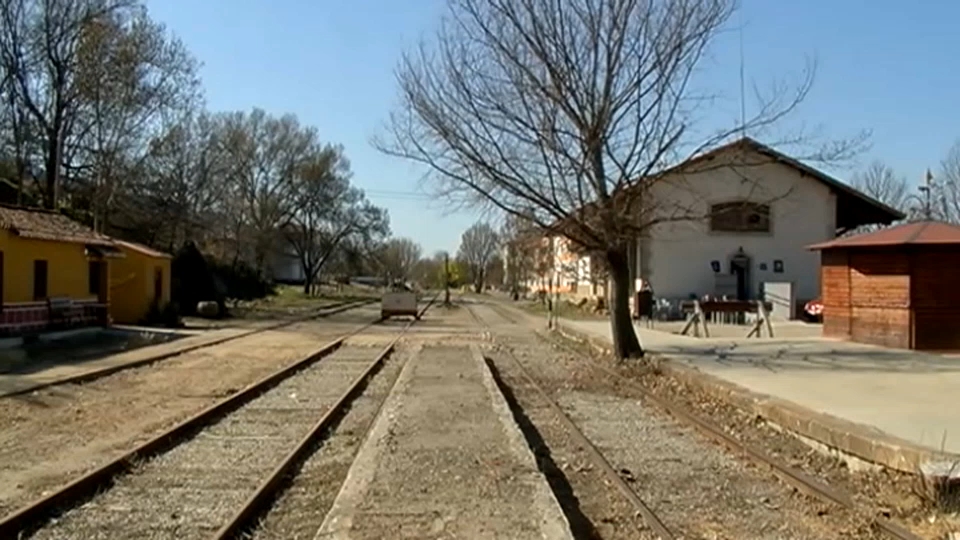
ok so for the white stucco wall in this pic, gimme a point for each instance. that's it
(676, 257)
(286, 266)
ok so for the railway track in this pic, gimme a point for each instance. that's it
(213, 474)
(651, 520)
(790, 475)
(88, 376)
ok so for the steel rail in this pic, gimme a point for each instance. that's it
(267, 490)
(802, 481)
(32, 513)
(648, 515)
(88, 376)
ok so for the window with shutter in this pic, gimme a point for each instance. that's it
(740, 216)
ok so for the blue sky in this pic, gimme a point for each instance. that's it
(884, 65)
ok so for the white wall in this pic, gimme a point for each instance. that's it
(286, 266)
(676, 258)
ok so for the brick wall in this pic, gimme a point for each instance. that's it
(18, 319)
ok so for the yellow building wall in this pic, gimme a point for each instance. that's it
(67, 270)
(132, 286)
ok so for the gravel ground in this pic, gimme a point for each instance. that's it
(299, 511)
(878, 492)
(695, 486)
(192, 490)
(51, 436)
(593, 508)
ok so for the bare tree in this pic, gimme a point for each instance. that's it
(883, 184)
(519, 239)
(321, 188)
(946, 203)
(39, 43)
(131, 76)
(181, 186)
(328, 211)
(400, 256)
(478, 246)
(266, 154)
(566, 114)
(495, 273)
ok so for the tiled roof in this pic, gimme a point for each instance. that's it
(140, 248)
(919, 233)
(850, 198)
(49, 225)
(891, 214)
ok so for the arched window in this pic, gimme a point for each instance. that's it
(740, 216)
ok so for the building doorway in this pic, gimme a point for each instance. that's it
(740, 268)
(158, 287)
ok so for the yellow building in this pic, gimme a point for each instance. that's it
(138, 281)
(54, 272)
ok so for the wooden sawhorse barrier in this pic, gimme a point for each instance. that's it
(697, 315)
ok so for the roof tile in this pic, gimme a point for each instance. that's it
(140, 248)
(49, 225)
(917, 233)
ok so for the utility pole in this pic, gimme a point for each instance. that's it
(927, 189)
(446, 279)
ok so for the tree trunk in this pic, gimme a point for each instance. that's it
(307, 283)
(52, 179)
(625, 342)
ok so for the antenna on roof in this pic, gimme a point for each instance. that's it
(743, 100)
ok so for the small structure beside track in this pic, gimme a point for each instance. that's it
(399, 303)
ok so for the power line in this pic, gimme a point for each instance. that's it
(394, 194)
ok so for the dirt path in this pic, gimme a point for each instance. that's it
(52, 436)
(445, 460)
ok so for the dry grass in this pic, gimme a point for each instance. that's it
(939, 487)
(290, 300)
(564, 309)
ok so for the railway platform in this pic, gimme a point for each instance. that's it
(52, 373)
(445, 459)
(885, 406)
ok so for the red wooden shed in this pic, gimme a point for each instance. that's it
(896, 287)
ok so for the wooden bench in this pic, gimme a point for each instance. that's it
(61, 311)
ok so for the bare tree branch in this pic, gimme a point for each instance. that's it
(478, 246)
(569, 114)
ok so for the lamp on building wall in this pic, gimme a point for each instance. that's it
(715, 265)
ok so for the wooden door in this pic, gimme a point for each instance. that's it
(158, 286)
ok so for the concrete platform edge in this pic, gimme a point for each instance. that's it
(861, 441)
(554, 521)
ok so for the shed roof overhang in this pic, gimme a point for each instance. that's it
(103, 252)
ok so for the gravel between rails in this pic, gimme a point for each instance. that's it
(49, 437)
(878, 492)
(192, 490)
(593, 508)
(299, 511)
(697, 487)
